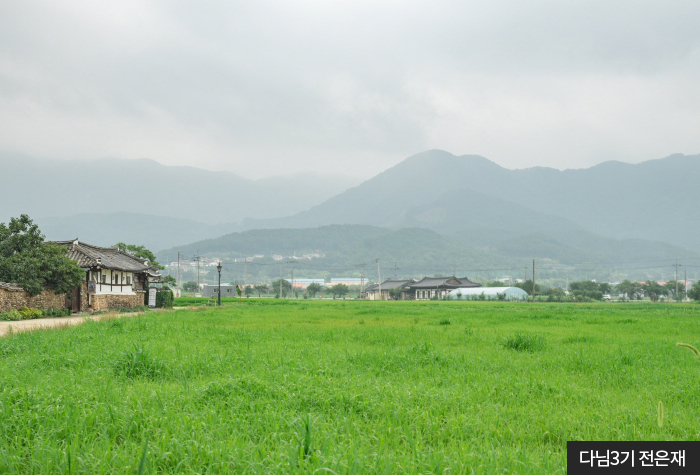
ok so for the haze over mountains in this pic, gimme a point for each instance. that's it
(60, 188)
(653, 200)
(612, 212)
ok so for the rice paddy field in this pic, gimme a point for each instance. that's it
(346, 387)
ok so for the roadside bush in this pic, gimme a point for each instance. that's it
(29, 313)
(164, 299)
(56, 312)
(11, 316)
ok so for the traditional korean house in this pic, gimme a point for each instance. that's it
(387, 290)
(437, 287)
(113, 278)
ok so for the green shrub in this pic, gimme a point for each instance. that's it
(164, 298)
(56, 312)
(11, 316)
(29, 313)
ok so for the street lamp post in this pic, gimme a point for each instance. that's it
(218, 268)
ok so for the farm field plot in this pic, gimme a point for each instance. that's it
(346, 387)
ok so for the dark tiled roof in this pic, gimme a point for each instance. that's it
(443, 283)
(468, 283)
(394, 284)
(372, 288)
(11, 287)
(87, 255)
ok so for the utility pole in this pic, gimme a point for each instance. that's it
(510, 277)
(395, 269)
(197, 258)
(245, 273)
(685, 283)
(362, 278)
(534, 292)
(379, 276)
(178, 270)
(676, 294)
(292, 290)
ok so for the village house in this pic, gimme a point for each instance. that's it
(387, 289)
(113, 278)
(424, 289)
(438, 287)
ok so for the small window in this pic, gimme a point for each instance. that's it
(104, 278)
(128, 281)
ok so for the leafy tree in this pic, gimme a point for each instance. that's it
(495, 283)
(168, 279)
(631, 289)
(339, 290)
(248, 290)
(283, 285)
(313, 289)
(694, 292)
(260, 289)
(654, 290)
(554, 294)
(587, 289)
(26, 261)
(671, 289)
(527, 286)
(190, 286)
(140, 252)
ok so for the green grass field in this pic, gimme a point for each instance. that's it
(323, 387)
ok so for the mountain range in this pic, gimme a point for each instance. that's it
(60, 188)
(606, 215)
(654, 200)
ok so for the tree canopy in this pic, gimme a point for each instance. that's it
(285, 287)
(588, 289)
(631, 289)
(314, 288)
(27, 261)
(339, 290)
(694, 291)
(190, 286)
(527, 286)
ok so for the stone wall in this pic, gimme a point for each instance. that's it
(10, 299)
(107, 302)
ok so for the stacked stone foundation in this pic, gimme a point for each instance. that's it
(10, 299)
(101, 302)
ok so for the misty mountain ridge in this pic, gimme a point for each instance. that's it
(612, 212)
(653, 200)
(46, 188)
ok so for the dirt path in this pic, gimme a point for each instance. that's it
(46, 323)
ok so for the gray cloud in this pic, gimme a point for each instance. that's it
(273, 87)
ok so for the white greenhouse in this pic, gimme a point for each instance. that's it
(488, 293)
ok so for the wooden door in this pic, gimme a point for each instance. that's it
(75, 300)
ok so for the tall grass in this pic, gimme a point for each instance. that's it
(300, 387)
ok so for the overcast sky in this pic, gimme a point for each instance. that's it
(272, 87)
